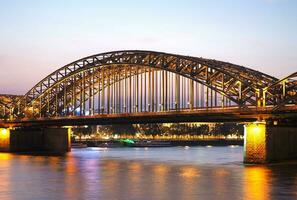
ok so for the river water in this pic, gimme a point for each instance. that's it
(145, 173)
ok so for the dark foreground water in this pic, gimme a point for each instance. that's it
(145, 173)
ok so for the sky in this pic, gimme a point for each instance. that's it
(38, 37)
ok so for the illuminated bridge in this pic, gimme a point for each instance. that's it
(146, 86)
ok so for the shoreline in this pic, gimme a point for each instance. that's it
(212, 142)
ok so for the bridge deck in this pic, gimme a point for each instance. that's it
(234, 114)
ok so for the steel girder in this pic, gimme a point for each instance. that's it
(282, 92)
(7, 104)
(86, 84)
(187, 66)
(241, 85)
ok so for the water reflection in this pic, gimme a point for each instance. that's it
(5, 171)
(160, 179)
(96, 174)
(256, 183)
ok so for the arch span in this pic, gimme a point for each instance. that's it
(238, 84)
(283, 92)
(7, 104)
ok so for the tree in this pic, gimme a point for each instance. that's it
(81, 131)
(180, 129)
(151, 129)
(227, 129)
(127, 129)
(202, 129)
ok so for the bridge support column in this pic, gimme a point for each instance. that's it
(4, 139)
(52, 140)
(268, 143)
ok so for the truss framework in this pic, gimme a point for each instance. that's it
(140, 81)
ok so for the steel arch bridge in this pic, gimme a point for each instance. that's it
(123, 82)
(7, 103)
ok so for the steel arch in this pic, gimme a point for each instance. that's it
(283, 92)
(208, 71)
(7, 103)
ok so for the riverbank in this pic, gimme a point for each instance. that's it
(212, 142)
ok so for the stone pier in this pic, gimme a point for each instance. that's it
(52, 140)
(269, 143)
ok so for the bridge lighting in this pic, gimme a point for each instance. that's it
(256, 133)
(256, 143)
(4, 134)
(255, 140)
(258, 129)
(4, 131)
(127, 141)
(106, 137)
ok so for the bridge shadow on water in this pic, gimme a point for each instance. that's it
(41, 153)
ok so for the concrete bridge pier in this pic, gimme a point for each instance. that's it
(266, 143)
(51, 140)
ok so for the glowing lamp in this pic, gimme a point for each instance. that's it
(4, 131)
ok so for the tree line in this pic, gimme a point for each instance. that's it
(222, 129)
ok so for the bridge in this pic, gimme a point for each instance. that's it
(145, 86)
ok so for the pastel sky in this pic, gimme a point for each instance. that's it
(38, 37)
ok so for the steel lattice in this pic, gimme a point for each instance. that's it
(145, 81)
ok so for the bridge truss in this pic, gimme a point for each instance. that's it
(145, 81)
(7, 103)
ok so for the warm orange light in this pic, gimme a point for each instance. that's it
(256, 183)
(4, 139)
(69, 133)
(257, 132)
(189, 172)
(257, 129)
(255, 142)
(4, 132)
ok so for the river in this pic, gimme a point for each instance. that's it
(145, 173)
